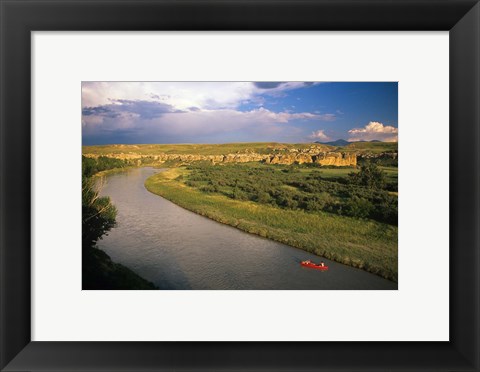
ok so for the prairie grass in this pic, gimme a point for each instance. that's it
(370, 147)
(364, 244)
(391, 173)
(198, 149)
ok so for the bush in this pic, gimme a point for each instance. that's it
(98, 214)
(358, 207)
(360, 195)
(370, 175)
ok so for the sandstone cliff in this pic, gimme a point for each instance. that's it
(314, 154)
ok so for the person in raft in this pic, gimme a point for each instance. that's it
(322, 264)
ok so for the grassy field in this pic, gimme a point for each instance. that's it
(198, 149)
(390, 172)
(233, 148)
(370, 147)
(360, 243)
(334, 172)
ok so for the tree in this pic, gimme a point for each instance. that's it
(98, 214)
(358, 207)
(370, 175)
(89, 166)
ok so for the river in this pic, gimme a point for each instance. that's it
(178, 249)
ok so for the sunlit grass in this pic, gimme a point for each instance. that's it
(371, 147)
(365, 244)
(198, 149)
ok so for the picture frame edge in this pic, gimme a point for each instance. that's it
(17, 352)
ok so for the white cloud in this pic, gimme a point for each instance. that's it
(195, 123)
(182, 95)
(157, 111)
(262, 115)
(374, 131)
(320, 135)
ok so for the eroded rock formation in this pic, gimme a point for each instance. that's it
(292, 156)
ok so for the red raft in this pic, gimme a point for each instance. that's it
(313, 265)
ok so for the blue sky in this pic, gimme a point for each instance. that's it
(222, 112)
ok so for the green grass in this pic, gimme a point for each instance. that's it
(370, 147)
(364, 244)
(391, 173)
(198, 149)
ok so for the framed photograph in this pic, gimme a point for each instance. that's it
(239, 185)
(267, 158)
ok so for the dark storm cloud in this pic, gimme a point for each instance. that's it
(110, 136)
(104, 111)
(267, 84)
(145, 109)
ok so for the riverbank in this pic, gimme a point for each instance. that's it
(109, 172)
(98, 217)
(101, 273)
(363, 244)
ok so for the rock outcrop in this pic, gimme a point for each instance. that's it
(287, 157)
(380, 155)
(337, 159)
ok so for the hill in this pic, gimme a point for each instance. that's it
(201, 149)
(340, 142)
(270, 153)
(371, 147)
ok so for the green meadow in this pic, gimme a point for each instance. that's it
(338, 172)
(370, 147)
(321, 225)
(198, 149)
(230, 148)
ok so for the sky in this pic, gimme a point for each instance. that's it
(224, 112)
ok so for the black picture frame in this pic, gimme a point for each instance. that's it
(18, 18)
